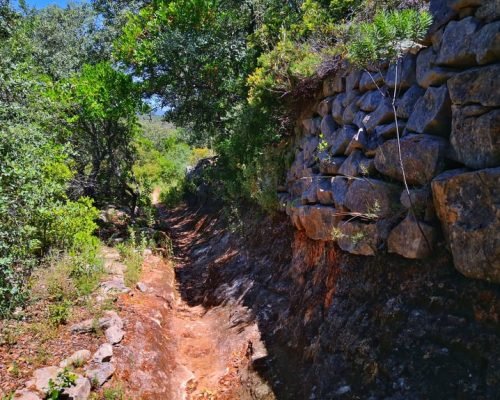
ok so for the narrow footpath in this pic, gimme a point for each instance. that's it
(174, 347)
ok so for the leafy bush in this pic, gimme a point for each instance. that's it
(387, 37)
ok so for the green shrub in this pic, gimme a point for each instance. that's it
(59, 313)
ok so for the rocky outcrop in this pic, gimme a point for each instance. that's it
(447, 115)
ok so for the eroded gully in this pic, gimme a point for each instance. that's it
(175, 347)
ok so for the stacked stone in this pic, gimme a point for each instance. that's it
(346, 183)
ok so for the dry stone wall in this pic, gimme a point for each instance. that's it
(346, 183)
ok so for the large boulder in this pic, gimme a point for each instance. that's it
(476, 140)
(412, 239)
(423, 158)
(372, 198)
(476, 86)
(456, 46)
(319, 221)
(432, 112)
(428, 74)
(338, 108)
(79, 391)
(468, 208)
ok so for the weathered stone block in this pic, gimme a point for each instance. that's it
(389, 131)
(476, 140)
(309, 195)
(325, 106)
(311, 125)
(406, 73)
(330, 165)
(328, 126)
(467, 206)
(340, 185)
(324, 191)
(370, 100)
(352, 80)
(423, 158)
(372, 198)
(432, 112)
(476, 86)
(456, 45)
(360, 238)
(359, 141)
(342, 139)
(367, 166)
(350, 167)
(489, 10)
(309, 144)
(384, 113)
(350, 113)
(406, 103)
(412, 239)
(421, 200)
(428, 74)
(338, 109)
(334, 84)
(319, 221)
(370, 81)
(486, 43)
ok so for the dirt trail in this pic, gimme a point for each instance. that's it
(175, 350)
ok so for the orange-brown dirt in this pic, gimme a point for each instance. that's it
(174, 350)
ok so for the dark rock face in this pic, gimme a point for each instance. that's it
(372, 198)
(428, 74)
(423, 158)
(407, 102)
(383, 113)
(342, 139)
(475, 86)
(358, 238)
(370, 81)
(330, 165)
(351, 165)
(412, 239)
(456, 48)
(432, 112)
(471, 220)
(334, 84)
(486, 43)
(370, 100)
(328, 126)
(476, 140)
(318, 221)
(406, 75)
